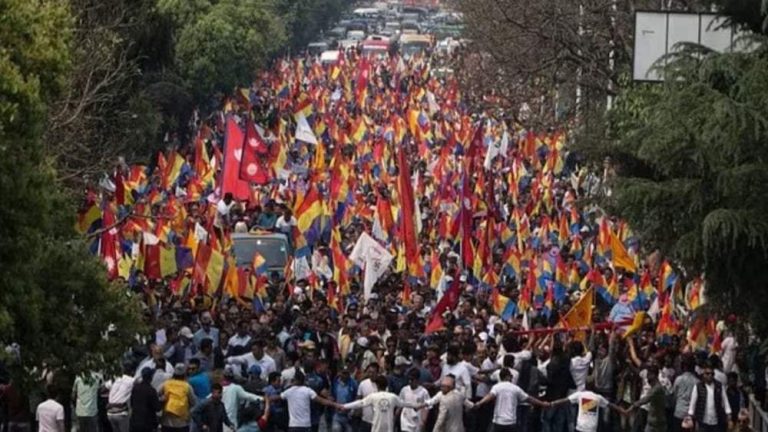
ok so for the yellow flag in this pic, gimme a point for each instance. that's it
(231, 282)
(167, 261)
(636, 325)
(621, 258)
(580, 314)
(124, 265)
(215, 270)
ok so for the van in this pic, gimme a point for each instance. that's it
(274, 247)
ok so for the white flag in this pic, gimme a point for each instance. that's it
(301, 268)
(303, 131)
(504, 148)
(373, 257)
(492, 152)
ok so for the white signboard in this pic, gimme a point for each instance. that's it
(659, 33)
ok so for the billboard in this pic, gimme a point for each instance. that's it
(657, 34)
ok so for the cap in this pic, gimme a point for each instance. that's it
(254, 370)
(363, 342)
(180, 369)
(297, 290)
(186, 332)
(483, 336)
(401, 361)
(229, 371)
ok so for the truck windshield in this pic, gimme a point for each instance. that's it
(273, 250)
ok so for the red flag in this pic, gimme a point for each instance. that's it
(408, 224)
(252, 167)
(201, 264)
(152, 262)
(448, 301)
(233, 152)
(109, 243)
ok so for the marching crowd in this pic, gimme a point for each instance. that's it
(506, 306)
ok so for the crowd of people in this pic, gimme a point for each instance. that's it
(507, 305)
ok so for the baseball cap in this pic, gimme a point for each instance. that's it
(180, 369)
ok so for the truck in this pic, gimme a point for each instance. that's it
(274, 247)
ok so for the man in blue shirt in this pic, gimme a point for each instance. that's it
(344, 390)
(277, 409)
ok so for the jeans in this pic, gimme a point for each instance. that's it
(18, 427)
(341, 423)
(119, 422)
(554, 419)
(522, 418)
(88, 424)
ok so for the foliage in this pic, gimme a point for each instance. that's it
(224, 47)
(693, 158)
(54, 299)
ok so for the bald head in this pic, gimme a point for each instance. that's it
(447, 384)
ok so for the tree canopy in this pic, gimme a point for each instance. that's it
(55, 302)
(693, 177)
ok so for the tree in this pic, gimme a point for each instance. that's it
(55, 301)
(693, 172)
(553, 55)
(225, 46)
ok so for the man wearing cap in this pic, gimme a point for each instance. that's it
(233, 395)
(207, 330)
(257, 356)
(182, 348)
(179, 400)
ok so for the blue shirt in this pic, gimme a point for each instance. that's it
(276, 407)
(344, 393)
(201, 334)
(266, 221)
(621, 312)
(201, 385)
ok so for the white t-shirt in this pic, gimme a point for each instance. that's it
(299, 398)
(48, 414)
(383, 405)
(463, 379)
(410, 419)
(222, 211)
(284, 225)
(589, 409)
(508, 396)
(366, 388)
(728, 348)
(495, 376)
(579, 370)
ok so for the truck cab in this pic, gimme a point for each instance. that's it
(274, 247)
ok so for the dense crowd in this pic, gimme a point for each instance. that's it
(502, 303)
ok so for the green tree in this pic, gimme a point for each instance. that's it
(694, 171)
(225, 47)
(54, 299)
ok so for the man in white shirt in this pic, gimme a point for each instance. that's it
(580, 362)
(412, 420)
(118, 401)
(299, 398)
(453, 367)
(50, 414)
(589, 406)
(365, 389)
(257, 356)
(286, 222)
(709, 404)
(383, 405)
(507, 396)
(223, 208)
(728, 351)
(240, 341)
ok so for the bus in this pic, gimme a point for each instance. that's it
(411, 44)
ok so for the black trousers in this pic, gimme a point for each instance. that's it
(504, 428)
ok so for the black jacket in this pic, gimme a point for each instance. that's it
(145, 404)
